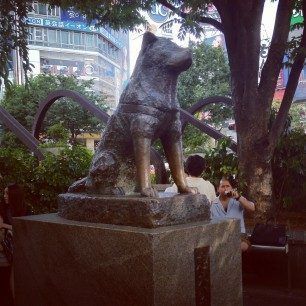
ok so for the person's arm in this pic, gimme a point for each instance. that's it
(172, 189)
(4, 225)
(212, 193)
(246, 204)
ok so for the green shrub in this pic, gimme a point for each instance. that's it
(54, 175)
(43, 181)
(58, 133)
(9, 140)
(220, 162)
(289, 171)
(16, 165)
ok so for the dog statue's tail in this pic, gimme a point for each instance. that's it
(78, 186)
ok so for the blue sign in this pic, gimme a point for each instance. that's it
(72, 15)
(159, 13)
(72, 25)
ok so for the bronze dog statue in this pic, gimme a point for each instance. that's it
(148, 109)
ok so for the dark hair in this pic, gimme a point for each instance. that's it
(195, 165)
(231, 179)
(16, 200)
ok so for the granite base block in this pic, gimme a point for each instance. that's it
(63, 262)
(134, 210)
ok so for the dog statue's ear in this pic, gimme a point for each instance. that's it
(148, 38)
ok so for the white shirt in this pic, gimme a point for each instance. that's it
(204, 187)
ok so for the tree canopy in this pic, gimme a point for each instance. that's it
(22, 103)
(208, 76)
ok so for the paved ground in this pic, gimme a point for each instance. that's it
(5, 296)
(254, 295)
(263, 296)
(265, 282)
(260, 289)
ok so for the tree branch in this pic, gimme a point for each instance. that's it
(298, 64)
(271, 68)
(202, 19)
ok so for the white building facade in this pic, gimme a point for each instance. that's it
(62, 43)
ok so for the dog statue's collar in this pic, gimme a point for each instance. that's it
(145, 109)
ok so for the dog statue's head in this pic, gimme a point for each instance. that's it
(165, 54)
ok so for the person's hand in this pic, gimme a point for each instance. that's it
(191, 190)
(235, 194)
(194, 190)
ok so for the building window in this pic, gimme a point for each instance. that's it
(53, 11)
(78, 39)
(90, 40)
(35, 7)
(65, 37)
(73, 40)
(45, 9)
(42, 9)
(52, 36)
(31, 33)
(38, 34)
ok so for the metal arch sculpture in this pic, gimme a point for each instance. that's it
(157, 160)
(210, 100)
(57, 94)
(23, 135)
(187, 117)
(32, 142)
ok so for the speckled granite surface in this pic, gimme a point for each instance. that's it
(134, 210)
(63, 262)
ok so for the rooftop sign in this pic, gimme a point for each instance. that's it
(72, 25)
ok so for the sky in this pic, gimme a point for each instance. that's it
(267, 29)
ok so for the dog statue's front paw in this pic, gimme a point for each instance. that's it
(149, 192)
(191, 190)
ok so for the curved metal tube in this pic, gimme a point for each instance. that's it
(23, 134)
(156, 158)
(210, 100)
(206, 101)
(187, 117)
(57, 94)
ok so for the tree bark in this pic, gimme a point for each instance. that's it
(256, 173)
(242, 36)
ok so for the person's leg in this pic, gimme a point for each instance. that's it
(245, 242)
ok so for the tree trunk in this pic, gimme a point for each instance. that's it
(256, 174)
(252, 111)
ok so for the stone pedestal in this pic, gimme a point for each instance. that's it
(134, 210)
(63, 262)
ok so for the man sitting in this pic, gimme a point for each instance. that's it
(230, 204)
(194, 167)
